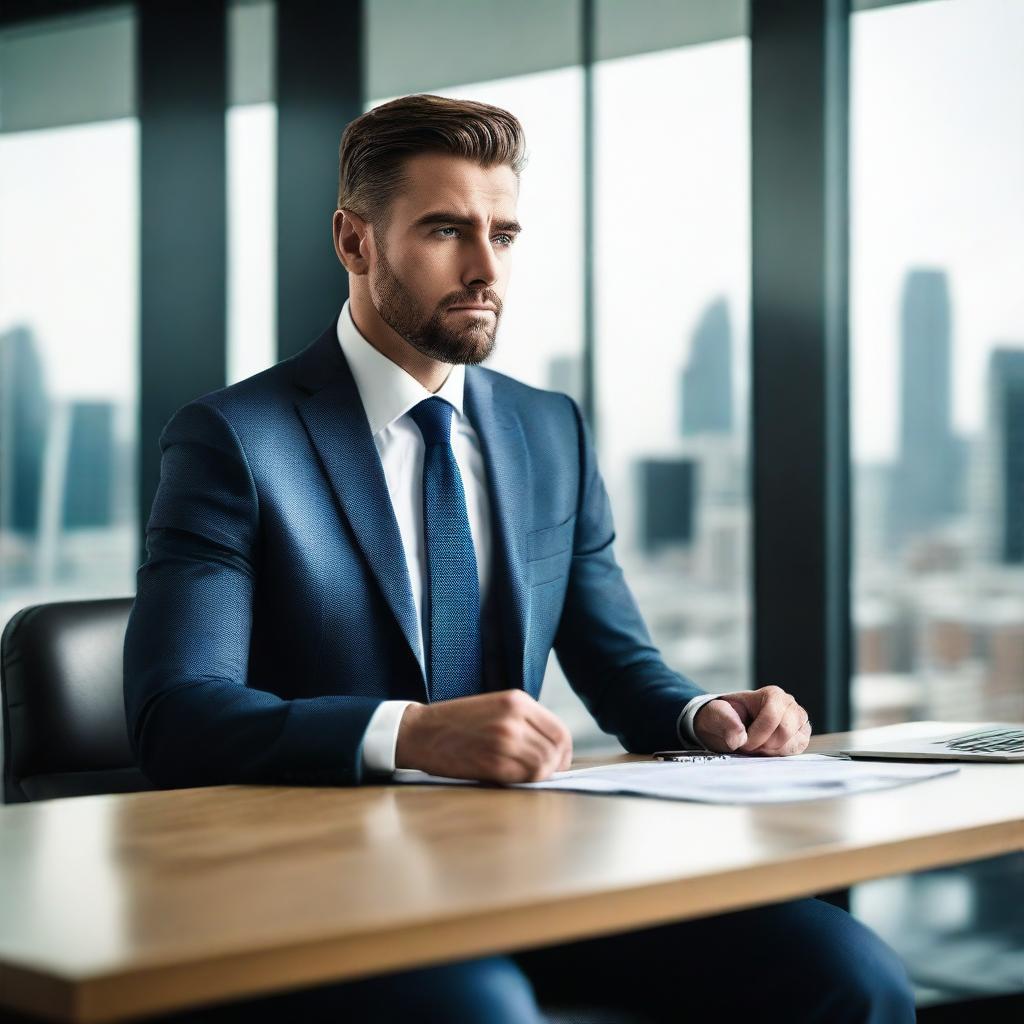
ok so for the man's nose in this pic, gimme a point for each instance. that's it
(482, 264)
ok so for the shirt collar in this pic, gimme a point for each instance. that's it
(387, 391)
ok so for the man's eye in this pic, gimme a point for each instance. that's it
(507, 238)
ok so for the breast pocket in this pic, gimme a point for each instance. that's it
(548, 552)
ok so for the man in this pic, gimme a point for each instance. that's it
(362, 558)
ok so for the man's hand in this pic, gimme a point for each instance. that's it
(491, 737)
(766, 721)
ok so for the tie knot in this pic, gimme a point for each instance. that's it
(434, 418)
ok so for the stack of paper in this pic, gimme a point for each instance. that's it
(735, 780)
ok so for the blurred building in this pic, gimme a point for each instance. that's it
(707, 378)
(89, 480)
(565, 374)
(666, 490)
(926, 486)
(1006, 453)
(23, 431)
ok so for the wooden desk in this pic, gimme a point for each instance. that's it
(115, 906)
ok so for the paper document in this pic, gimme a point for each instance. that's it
(736, 780)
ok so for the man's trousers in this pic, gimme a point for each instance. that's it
(804, 960)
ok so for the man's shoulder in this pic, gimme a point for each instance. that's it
(255, 397)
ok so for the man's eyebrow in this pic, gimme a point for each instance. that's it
(446, 217)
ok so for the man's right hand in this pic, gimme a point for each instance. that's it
(491, 737)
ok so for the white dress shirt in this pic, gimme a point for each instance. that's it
(388, 394)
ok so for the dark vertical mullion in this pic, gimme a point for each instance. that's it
(183, 281)
(319, 91)
(838, 477)
(587, 56)
(799, 443)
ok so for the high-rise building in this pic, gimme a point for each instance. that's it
(707, 378)
(89, 480)
(667, 492)
(1006, 453)
(926, 487)
(565, 374)
(23, 430)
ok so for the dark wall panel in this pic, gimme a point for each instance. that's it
(319, 90)
(181, 76)
(800, 363)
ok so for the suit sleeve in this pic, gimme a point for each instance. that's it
(602, 642)
(192, 718)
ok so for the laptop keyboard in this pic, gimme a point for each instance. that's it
(989, 741)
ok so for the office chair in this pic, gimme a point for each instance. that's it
(63, 704)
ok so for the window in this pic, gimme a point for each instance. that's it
(937, 343)
(69, 226)
(937, 361)
(672, 356)
(251, 129)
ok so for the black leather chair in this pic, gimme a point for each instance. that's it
(63, 704)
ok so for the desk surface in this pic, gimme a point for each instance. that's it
(114, 906)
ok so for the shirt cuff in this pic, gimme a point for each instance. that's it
(684, 724)
(381, 736)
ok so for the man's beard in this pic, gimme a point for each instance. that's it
(440, 335)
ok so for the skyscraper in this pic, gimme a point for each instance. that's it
(707, 379)
(89, 479)
(23, 430)
(565, 374)
(1006, 452)
(926, 487)
(667, 492)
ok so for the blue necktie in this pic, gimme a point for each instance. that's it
(453, 659)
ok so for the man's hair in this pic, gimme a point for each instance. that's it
(375, 146)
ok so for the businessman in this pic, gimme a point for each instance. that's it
(361, 559)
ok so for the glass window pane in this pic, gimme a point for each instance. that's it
(672, 292)
(937, 357)
(937, 336)
(251, 129)
(69, 229)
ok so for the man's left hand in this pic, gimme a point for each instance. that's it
(767, 721)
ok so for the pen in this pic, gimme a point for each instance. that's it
(689, 755)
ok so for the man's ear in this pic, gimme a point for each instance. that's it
(352, 241)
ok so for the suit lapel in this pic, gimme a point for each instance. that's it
(508, 478)
(333, 416)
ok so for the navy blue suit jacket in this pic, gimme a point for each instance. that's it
(274, 613)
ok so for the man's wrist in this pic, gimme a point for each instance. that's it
(405, 749)
(684, 724)
(380, 740)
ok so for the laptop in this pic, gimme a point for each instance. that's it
(992, 741)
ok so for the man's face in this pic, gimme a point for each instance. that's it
(447, 244)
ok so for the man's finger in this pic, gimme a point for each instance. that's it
(799, 742)
(775, 702)
(555, 731)
(718, 726)
(549, 725)
(538, 751)
(792, 722)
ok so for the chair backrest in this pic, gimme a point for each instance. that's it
(61, 685)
